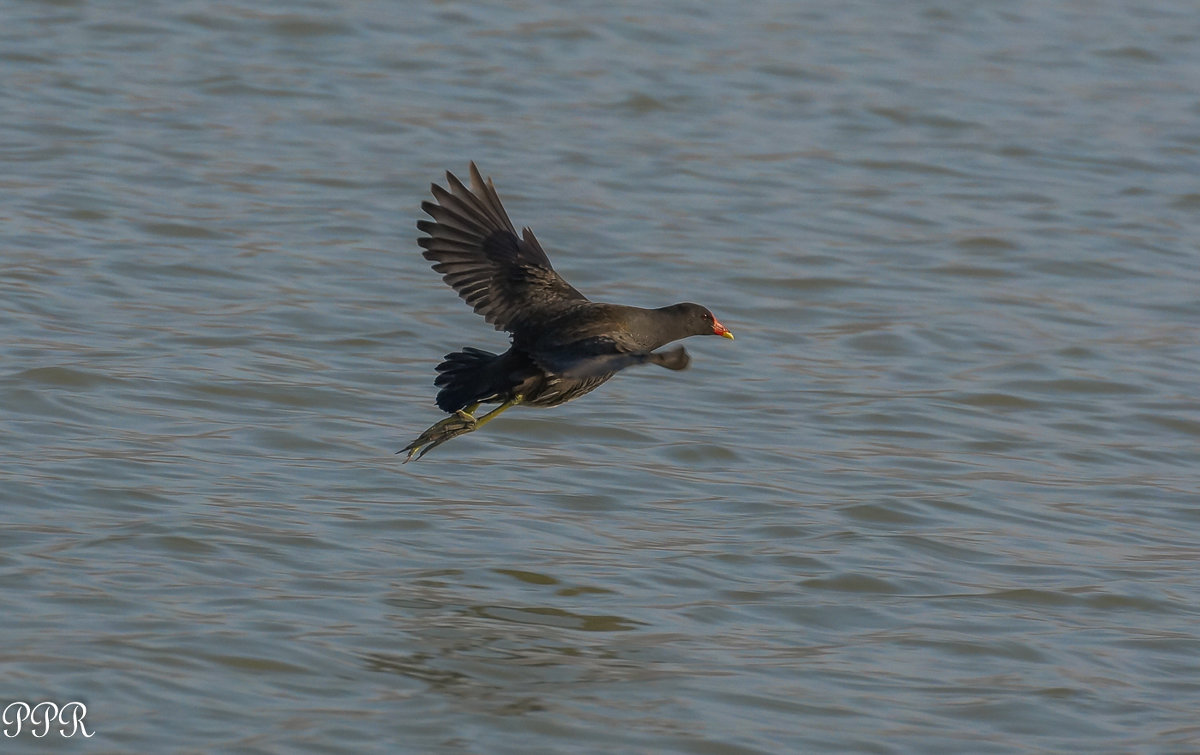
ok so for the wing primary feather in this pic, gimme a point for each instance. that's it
(486, 191)
(471, 198)
(505, 277)
(467, 213)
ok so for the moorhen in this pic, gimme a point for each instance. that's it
(563, 345)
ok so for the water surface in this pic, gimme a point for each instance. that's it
(939, 496)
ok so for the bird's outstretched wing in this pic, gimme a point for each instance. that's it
(472, 243)
(604, 356)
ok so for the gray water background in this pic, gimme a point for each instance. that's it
(940, 495)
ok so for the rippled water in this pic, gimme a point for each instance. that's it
(941, 495)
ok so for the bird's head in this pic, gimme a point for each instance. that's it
(701, 321)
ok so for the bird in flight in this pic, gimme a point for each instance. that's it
(563, 344)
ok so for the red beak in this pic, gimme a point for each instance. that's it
(721, 330)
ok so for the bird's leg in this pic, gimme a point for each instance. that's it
(492, 414)
(461, 422)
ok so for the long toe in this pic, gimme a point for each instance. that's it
(450, 427)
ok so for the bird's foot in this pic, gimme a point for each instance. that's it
(459, 423)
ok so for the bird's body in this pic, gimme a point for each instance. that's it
(563, 345)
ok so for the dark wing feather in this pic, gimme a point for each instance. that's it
(603, 356)
(472, 243)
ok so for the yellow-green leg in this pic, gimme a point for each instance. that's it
(492, 414)
(460, 423)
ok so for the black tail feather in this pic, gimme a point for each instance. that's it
(465, 378)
